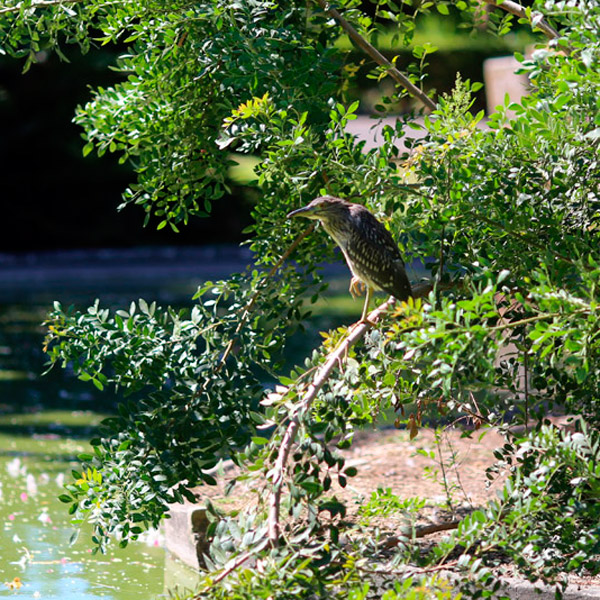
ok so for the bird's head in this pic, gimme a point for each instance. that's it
(323, 208)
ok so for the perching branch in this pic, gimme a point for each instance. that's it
(277, 473)
(369, 49)
(516, 9)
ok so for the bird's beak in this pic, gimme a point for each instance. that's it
(305, 211)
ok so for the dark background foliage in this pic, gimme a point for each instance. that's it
(197, 383)
(49, 188)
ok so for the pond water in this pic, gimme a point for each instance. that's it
(45, 422)
(38, 559)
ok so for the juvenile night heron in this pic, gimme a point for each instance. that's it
(370, 251)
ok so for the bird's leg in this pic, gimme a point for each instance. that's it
(366, 306)
(355, 287)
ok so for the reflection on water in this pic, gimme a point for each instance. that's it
(37, 559)
(45, 422)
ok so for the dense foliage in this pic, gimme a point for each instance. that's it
(507, 219)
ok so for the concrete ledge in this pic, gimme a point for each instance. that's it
(185, 534)
(185, 539)
(500, 79)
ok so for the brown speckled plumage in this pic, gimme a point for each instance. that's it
(370, 250)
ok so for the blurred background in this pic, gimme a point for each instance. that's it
(49, 189)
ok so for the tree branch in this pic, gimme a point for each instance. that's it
(421, 531)
(528, 239)
(369, 49)
(250, 305)
(277, 473)
(535, 318)
(409, 571)
(516, 9)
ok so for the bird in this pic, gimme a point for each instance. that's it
(371, 253)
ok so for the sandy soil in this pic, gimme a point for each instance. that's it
(389, 459)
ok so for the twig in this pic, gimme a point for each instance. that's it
(525, 377)
(436, 527)
(455, 465)
(276, 474)
(369, 49)
(240, 560)
(409, 571)
(447, 490)
(441, 265)
(254, 297)
(516, 9)
(530, 240)
(539, 317)
(423, 530)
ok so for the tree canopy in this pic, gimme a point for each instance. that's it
(505, 218)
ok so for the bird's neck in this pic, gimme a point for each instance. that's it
(341, 235)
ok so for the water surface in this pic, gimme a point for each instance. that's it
(35, 530)
(45, 422)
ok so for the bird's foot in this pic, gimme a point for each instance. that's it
(368, 321)
(357, 287)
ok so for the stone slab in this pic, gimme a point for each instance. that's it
(185, 534)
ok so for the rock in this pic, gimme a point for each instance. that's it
(517, 589)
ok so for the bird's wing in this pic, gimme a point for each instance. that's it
(378, 257)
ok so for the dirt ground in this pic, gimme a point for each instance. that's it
(389, 459)
(450, 472)
(413, 468)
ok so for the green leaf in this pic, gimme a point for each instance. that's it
(98, 384)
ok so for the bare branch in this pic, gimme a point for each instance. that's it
(409, 571)
(277, 473)
(422, 531)
(369, 49)
(233, 565)
(516, 9)
(240, 560)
